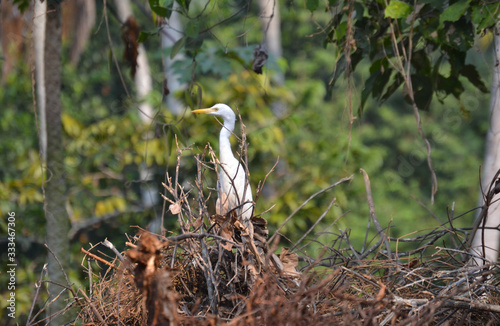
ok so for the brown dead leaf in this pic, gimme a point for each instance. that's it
(198, 222)
(130, 37)
(290, 262)
(260, 226)
(248, 241)
(175, 208)
(381, 293)
(226, 225)
(227, 233)
(243, 229)
(226, 230)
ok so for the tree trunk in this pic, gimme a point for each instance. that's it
(39, 42)
(55, 187)
(491, 166)
(171, 32)
(83, 17)
(271, 28)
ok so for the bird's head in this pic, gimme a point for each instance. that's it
(219, 110)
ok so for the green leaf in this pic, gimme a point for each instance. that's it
(397, 9)
(368, 89)
(193, 28)
(177, 46)
(312, 5)
(340, 31)
(455, 57)
(458, 35)
(359, 9)
(420, 61)
(485, 16)
(454, 12)
(470, 72)
(162, 8)
(143, 36)
(340, 66)
(449, 85)
(193, 96)
(194, 43)
(422, 89)
(160, 11)
(22, 5)
(379, 86)
(185, 4)
(398, 80)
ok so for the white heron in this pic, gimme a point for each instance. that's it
(232, 175)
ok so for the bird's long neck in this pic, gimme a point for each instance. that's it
(226, 154)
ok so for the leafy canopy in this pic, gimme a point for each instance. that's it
(435, 35)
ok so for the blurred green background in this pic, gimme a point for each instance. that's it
(106, 144)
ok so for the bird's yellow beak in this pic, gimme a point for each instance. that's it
(209, 110)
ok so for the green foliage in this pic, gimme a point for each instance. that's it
(397, 9)
(162, 8)
(21, 170)
(454, 12)
(22, 4)
(485, 15)
(440, 35)
(312, 5)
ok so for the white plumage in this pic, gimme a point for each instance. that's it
(232, 174)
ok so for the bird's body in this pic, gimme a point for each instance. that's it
(233, 184)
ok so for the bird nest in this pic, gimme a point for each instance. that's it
(207, 275)
(192, 280)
